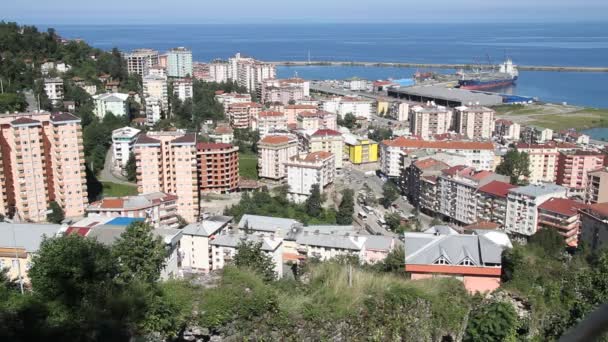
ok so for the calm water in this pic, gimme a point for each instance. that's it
(531, 44)
(598, 133)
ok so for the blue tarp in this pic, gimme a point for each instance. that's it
(516, 99)
(124, 221)
(404, 82)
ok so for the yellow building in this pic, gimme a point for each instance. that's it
(360, 150)
(383, 106)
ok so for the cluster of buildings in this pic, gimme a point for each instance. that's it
(245, 71)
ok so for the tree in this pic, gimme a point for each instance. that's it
(394, 261)
(346, 209)
(181, 222)
(313, 202)
(140, 254)
(496, 321)
(131, 168)
(56, 214)
(549, 240)
(393, 220)
(349, 121)
(250, 255)
(390, 193)
(516, 165)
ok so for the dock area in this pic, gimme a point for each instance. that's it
(437, 66)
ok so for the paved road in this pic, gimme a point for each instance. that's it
(106, 174)
(32, 104)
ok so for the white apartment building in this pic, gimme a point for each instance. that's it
(267, 122)
(425, 122)
(274, 152)
(226, 99)
(116, 103)
(123, 140)
(478, 154)
(53, 87)
(182, 88)
(325, 140)
(139, 61)
(222, 134)
(154, 110)
(218, 71)
(522, 206)
(157, 71)
(507, 129)
(325, 247)
(224, 248)
(248, 72)
(195, 247)
(156, 87)
(306, 170)
(179, 62)
(357, 106)
(474, 122)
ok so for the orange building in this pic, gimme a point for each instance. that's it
(42, 161)
(218, 167)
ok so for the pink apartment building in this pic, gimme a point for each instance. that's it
(273, 152)
(292, 111)
(573, 166)
(269, 121)
(241, 115)
(42, 161)
(167, 162)
(317, 120)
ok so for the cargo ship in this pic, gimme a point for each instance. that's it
(506, 75)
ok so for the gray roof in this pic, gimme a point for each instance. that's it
(108, 234)
(233, 240)
(425, 250)
(332, 241)
(208, 226)
(26, 235)
(538, 190)
(379, 243)
(452, 94)
(441, 230)
(267, 223)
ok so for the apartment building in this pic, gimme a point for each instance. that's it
(153, 110)
(573, 167)
(179, 62)
(139, 61)
(250, 73)
(420, 183)
(394, 108)
(284, 90)
(325, 140)
(507, 129)
(597, 186)
(594, 226)
(195, 245)
(224, 247)
(457, 189)
(474, 122)
(267, 122)
(360, 150)
(157, 71)
(42, 161)
(123, 140)
(159, 209)
(543, 159)
(219, 71)
(292, 111)
(425, 122)
(561, 214)
(226, 99)
(115, 103)
(316, 120)
(218, 167)
(478, 154)
(341, 106)
(241, 115)
(167, 162)
(522, 207)
(53, 87)
(492, 202)
(182, 88)
(156, 86)
(306, 170)
(274, 151)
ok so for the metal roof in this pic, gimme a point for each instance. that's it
(26, 235)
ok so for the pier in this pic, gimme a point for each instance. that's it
(437, 66)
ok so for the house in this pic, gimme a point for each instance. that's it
(473, 259)
(115, 103)
(195, 248)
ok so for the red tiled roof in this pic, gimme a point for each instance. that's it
(245, 104)
(314, 156)
(497, 188)
(403, 142)
(381, 83)
(77, 230)
(24, 121)
(454, 169)
(112, 203)
(481, 175)
(271, 113)
(482, 225)
(429, 162)
(308, 114)
(296, 106)
(223, 130)
(212, 146)
(563, 206)
(326, 132)
(275, 139)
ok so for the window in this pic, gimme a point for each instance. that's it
(466, 262)
(441, 261)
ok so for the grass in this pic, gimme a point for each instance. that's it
(580, 119)
(118, 190)
(248, 165)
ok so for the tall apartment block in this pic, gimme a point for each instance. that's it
(53, 87)
(166, 162)
(273, 152)
(428, 121)
(573, 166)
(179, 62)
(139, 61)
(156, 87)
(474, 122)
(218, 167)
(42, 161)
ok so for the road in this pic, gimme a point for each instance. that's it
(106, 174)
(32, 104)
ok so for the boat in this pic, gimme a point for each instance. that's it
(506, 75)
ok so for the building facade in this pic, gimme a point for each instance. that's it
(241, 115)
(218, 167)
(573, 167)
(115, 103)
(326, 140)
(561, 214)
(306, 170)
(53, 87)
(594, 226)
(341, 106)
(474, 122)
(267, 122)
(426, 122)
(274, 151)
(139, 61)
(597, 186)
(123, 140)
(156, 87)
(360, 150)
(182, 88)
(522, 207)
(179, 62)
(157, 208)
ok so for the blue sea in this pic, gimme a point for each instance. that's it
(569, 44)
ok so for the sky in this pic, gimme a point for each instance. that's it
(298, 11)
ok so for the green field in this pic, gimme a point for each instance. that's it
(248, 165)
(118, 190)
(556, 117)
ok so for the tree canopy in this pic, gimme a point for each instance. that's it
(346, 209)
(516, 165)
(250, 255)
